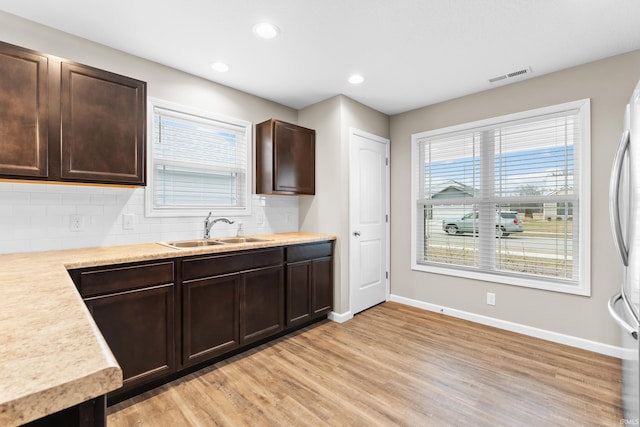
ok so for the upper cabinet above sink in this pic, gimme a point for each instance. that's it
(285, 159)
(64, 121)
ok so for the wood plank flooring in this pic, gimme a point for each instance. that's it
(391, 365)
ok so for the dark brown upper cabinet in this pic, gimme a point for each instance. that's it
(23, 112)
(285, 159)
(103, 118)
(64, 121)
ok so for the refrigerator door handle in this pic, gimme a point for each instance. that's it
(614, 197)
(612, 310)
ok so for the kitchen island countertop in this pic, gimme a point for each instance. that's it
(52, 355)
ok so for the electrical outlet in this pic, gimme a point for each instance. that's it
(491, 298)
(76, 223)
(127, 221)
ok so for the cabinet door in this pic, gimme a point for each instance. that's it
(139, 329)
(261, 304)
(294, 159)
(23, 112)
(210, 317)
(103, 121)
(298, 293)
(322, 286)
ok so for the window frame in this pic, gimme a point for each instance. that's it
(583, 287)
(150, 209)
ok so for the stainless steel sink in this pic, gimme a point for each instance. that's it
(194, 243)
(243, 240)
(199, 243)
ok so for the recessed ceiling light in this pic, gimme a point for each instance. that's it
(266, 30)
(356, 79)
(220, 67)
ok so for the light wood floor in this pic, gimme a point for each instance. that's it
(391, 365)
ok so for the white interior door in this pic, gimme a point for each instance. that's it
(368, 220)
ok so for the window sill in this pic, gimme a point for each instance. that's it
(583, 289)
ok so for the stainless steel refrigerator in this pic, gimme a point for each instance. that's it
(625, 223)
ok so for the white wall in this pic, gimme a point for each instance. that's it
(35, 216)
(329, 208)
(608, 83)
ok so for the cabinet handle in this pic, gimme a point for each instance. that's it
(356, 233)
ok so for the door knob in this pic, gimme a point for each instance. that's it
(356, 233)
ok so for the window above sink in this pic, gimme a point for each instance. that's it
(197, 161)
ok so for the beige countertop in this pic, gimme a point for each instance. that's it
(52, 355)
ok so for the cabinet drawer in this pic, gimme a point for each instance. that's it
(311, 251)
(116, 279)
(197, 268)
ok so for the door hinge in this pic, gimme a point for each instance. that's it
(386, 218)
(387, 274)
(386, 161)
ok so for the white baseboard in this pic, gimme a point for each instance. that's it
(544, 334)
(340, 317)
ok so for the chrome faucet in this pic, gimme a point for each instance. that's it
(208, 224)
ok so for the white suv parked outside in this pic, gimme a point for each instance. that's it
(507, 222)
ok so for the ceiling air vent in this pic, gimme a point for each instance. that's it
(510, 75)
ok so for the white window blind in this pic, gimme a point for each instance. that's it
(504, 199)
(198, 162)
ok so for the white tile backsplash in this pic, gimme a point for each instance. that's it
(36, 217)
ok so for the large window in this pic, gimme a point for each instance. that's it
(506, 199)
(198, 162)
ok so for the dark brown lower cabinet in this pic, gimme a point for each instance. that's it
(210, 314)
(92, 413)
(309, 282)
(262, 304)
(134, 308)
(230, 300)
(138, 325)
(161, 318)
(298, 292)
(321, 286)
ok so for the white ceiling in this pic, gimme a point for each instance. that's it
(412, 52)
